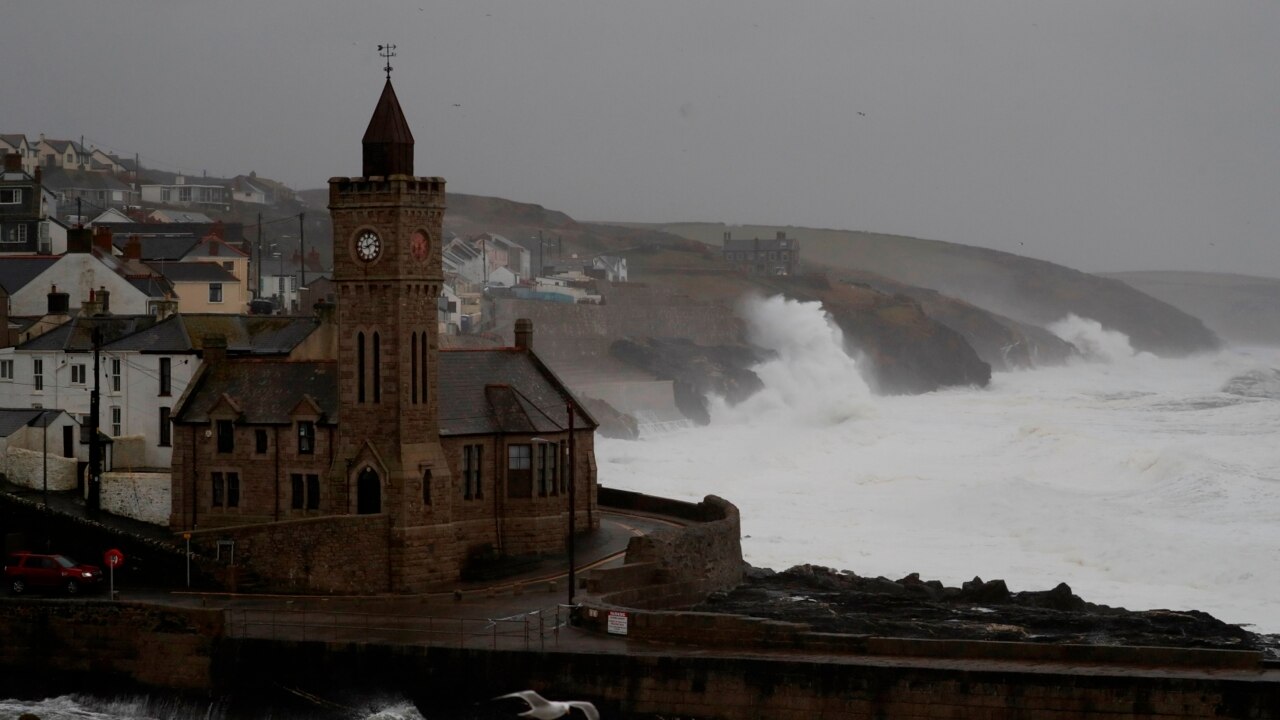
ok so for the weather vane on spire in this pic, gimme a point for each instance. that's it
(388, 52)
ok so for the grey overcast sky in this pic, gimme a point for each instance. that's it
(1102, 134)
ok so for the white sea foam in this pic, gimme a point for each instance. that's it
(1136, 480)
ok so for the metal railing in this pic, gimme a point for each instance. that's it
(535, 630)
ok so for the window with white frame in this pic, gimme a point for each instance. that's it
(215, 292)
(77, 374)
(115, 374)
(6, 370)
(37, 374)
(116, 421)
(10, 196)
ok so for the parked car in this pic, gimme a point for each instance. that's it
(28, 571)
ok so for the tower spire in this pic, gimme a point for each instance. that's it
(388, 142)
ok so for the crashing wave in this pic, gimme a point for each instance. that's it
(1262, 383)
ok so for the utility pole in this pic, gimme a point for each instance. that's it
(258, 287)
(302, 241)
(94, 500)
(572, 502)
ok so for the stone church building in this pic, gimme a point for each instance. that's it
(380, 464)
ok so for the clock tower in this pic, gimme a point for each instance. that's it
(387, 269)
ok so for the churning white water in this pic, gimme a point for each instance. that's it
(1139, 481)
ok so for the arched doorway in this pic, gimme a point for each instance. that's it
(368, 492)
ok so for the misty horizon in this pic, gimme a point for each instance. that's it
(1102, 136)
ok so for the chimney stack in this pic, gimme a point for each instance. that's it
(102, 239)
(59, 302)
(133, 248)
(214, 349)
(165, 308)
(524, 334)
(91, 307)
(12, 163)
(79, 240)
(104, 299)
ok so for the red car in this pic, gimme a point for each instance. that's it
(26, 570)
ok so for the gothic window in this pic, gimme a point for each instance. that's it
(377, 368)
(426, 486)
(422, 340)
(360, 367)
(368, 492)
(226, 489)
(413, 368)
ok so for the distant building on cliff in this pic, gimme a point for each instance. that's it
(777, 256)
(379, 463)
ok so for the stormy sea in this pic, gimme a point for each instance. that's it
(1141, 482)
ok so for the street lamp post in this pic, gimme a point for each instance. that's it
(572, 503)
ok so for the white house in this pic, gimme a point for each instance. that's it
(37, 448)
(186, 192)
(84, 272)
(17, 144)
(614, 267)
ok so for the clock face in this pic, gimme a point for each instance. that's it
(368, 245)
(419, 245)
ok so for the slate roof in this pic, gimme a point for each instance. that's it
(11, 419)
(501, 390)
(153, 286)
(481, 392)
(155, 247)
(56, 178)
(77, 334)
(14, 140)
(388, 142)
(232, 232)
(245, 334)
(16, 272)
(265, 390)
(195, 272)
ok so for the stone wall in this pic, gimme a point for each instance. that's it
(26, 468)
(129, 452)
(139, 495)
(674, 567)
(347, 554)
(107, 647)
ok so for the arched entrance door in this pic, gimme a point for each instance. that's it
(368, 492)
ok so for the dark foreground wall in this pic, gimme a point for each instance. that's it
(59, 646)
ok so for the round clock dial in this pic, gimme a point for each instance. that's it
(419, 245)
(368, 245)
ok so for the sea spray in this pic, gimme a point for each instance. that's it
(1138, 481)
(1092, 340)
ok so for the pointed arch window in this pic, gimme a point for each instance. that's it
(413, 368)
(422, 340)
(377, 368)
(359, 367)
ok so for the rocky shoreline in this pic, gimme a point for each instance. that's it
(843, 602)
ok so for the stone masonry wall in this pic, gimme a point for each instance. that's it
(138, 495)
(26, 468)
(682, 565)
(341, 554)
(107, 646)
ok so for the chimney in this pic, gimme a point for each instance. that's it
(133, 248)
(12, 163)
(79, 240)
(165, 308)
(524, 334)
(91, 307)
(214, 349)
(102, 239)
(38, 175)
(782, 235)
(104, 298)
(726, 236)
(59, 302)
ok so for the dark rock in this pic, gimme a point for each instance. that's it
(613, 424)
(696, 371)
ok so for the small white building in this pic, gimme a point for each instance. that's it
(613, 266)
(187, 192)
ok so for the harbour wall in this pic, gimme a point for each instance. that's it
(62, 646)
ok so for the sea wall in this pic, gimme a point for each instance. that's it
(53, 646)
(673, 567)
